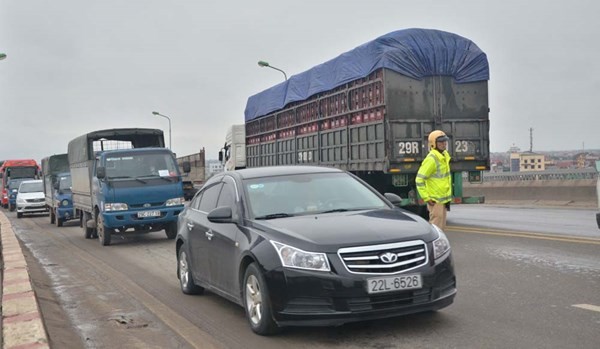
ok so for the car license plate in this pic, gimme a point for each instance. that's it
(145, 214)
(394, 283)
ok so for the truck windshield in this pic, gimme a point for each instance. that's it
(21, 172)
(64, 183)
(141, 165)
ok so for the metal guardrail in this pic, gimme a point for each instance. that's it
(557, 174)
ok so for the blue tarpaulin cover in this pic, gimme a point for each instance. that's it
(415, 53)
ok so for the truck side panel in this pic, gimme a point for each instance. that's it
(81, 175)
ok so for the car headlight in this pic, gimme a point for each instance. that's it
(65, 202)
(21, 201)
(441, 245)
(175, 202)
(292, 257)
(115, 206)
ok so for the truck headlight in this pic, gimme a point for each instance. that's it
(65, 202)
(441, 245)
(115, 206)
(292, 257)
(175, 202)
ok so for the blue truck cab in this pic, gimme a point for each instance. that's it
(134, 188)
(57, 189)
(63, 200)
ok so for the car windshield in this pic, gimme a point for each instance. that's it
(31, 187)
(290, 195)
(141, 165)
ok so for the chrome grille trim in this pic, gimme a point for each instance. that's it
(369, 255)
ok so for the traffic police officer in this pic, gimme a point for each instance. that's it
(434, 180)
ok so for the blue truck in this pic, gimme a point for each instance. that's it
(125, 181)
(57, 189)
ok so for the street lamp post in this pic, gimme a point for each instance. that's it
(168, 118)
(266, 64)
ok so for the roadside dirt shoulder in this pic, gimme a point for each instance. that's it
(61, 332)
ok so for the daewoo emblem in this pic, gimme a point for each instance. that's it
(388, 257)
(147, 205)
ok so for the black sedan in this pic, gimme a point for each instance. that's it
(310, 246)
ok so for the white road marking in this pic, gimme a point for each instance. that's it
(587, 307)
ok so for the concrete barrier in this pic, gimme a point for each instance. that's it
(581, 191)
(22, 325)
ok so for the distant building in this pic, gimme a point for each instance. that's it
(530, 161)
(527, 161)
(212, 167)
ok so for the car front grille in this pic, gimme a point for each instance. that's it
(384, 259)
(33, 201)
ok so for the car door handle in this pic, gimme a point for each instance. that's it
(209, 234)
(190, 226)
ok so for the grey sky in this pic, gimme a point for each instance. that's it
(77, 66)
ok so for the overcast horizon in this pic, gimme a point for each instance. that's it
(74, 67)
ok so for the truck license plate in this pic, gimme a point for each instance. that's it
(394, 283)
(145, 214)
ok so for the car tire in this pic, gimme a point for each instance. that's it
(184, 273)
(257, 302)
(88, 233)
(19, 215)
(171, 230)
(104, 233)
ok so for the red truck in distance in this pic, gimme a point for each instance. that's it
(13, 169)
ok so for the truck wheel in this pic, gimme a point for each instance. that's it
(59, 221)
(52, 217)
(184, 272)
(104, 234)
(171, 230)
(257, 302)
(87, 232)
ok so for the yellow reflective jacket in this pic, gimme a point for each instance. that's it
(434, 181)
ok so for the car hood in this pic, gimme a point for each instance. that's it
(29, 196)
(329, 232)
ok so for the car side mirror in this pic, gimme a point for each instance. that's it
(220, 156)
(186, 167)
(222, 214)
(393, 198)
(101, 172)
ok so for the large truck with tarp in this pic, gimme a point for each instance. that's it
(16, 169)
(125, 181)
(369, 111)
(57, 189)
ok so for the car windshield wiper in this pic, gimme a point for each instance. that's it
(275, 215)
(127, 177)
(337, 210)
(168, 179)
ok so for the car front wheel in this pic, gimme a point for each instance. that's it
(257, 302)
